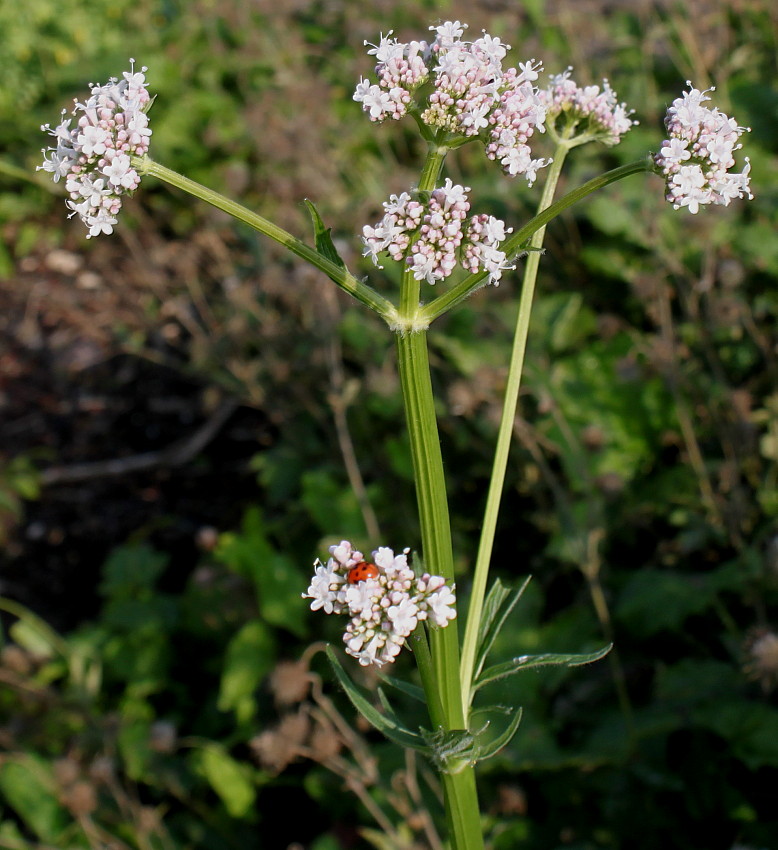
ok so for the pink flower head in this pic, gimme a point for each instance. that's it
(696, 160)
(591, 112)
(433, 237)
(94, 157)
(472, 95)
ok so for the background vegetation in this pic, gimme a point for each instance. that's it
(188, 419)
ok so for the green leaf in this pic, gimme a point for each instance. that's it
(324, 243)
(330, 504)
(32, 633)
(387, 724)
(657, 600)
(326, 842)
(246, 551)
(250, 656)
(134, 738)
(487, 746)
(275, 577)
(230, 779)
(36, 641)
(750, 729)
(526, 662)
(28, 786)
(11, 837)
(23, 478)
(499, 603)
(130, 570)
(408, 688)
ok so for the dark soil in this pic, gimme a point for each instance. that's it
(126, 446)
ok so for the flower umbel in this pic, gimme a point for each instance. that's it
(441, 233)
(585, 113)
(385, 606)
(472, 96)
(94, 156)
(696, 159)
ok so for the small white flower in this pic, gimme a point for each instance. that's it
(58, 162)
(449, 31)
(101, 222)
(119, 172)
(403, 615)
(320, 589)
(494, 49)
(345, 555)
(360, 597)
(441, 604)
(93, 140)
(676, 150)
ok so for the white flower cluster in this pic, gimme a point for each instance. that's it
(696, 159)
(94, 156)
(598, 110)
(442, 237)
(472, 97)
(385, 600)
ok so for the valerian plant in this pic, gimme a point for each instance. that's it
(458, 92)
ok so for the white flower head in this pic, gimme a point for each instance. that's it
(95, 155)
(384, 599)
(696, 159)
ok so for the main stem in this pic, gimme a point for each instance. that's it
(504, 436)
(440, 672)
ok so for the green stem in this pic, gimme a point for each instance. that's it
(421, 651)
(505, 433)
(433, 165)
(462, 812)
(438, 662)
(361, 291)
(518, 240)
(413, 361)
(433, 510)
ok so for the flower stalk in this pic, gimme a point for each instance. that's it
(505, 432)
(341, 276)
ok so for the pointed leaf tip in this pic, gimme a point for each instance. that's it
(321, 234)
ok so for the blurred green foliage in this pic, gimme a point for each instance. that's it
(643, 491)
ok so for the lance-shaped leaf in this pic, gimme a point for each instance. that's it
(499, 603)
(525, 662)
(408, 688)
(388, 724)
(486, 747)
(321, 234)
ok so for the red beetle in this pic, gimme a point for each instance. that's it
(362, 571)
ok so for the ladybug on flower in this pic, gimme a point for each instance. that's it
(361, 572)
(384, 597)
